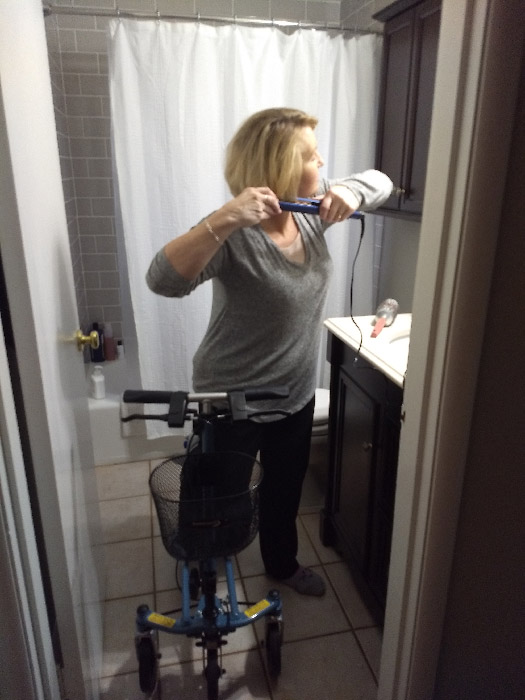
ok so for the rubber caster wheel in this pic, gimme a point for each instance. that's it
(273, 644)
(148, 664)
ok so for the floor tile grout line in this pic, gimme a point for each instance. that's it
(352, 628)
(132, 539)
(126, 597)
(313, 544)
(316, 637)
(359, 628)
(123, 498)
(365, 657)
(346, 615)
(328, 579)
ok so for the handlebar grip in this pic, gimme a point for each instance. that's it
(251, 394)
(146, 396)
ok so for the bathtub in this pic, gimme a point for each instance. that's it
(114, 442)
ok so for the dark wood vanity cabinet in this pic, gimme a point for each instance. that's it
(409, 64)
(365, 413)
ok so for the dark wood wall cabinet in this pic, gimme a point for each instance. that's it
(365, 414)
(410, 46)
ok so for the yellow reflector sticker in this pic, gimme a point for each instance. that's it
(161, 620)
(261, 605)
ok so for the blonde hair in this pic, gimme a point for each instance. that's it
(268, 150)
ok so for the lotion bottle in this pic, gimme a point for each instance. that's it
(110, 346)
(98, 383)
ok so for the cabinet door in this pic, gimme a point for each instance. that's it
(355, 458)
(423, 73)
(383, 507)
(386, 463)
(395, 93)
(409, 66)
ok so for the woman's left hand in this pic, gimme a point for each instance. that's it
(338, 204)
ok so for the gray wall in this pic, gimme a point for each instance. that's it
(398, 259)
(79, 69)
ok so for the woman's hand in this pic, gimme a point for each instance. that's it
(338, 204)
(251, 206)
(191, 252)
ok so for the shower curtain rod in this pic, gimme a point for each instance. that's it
(126, 14)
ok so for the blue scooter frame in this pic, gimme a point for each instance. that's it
(197, 624)
(213, 617)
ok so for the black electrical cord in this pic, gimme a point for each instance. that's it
(361, 236)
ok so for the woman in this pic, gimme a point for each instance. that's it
(270, 272)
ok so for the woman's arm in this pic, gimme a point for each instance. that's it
(191, 252)
(365, 191)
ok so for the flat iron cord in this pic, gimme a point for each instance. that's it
(352, 287)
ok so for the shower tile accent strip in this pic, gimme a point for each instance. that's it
(78, 58)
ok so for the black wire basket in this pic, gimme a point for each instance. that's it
(207, 504)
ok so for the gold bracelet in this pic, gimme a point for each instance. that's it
(207, 224)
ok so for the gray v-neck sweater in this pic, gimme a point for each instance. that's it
(266, 314)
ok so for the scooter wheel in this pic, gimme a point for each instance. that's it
(148, 664)
(273, 648)
(212, 673)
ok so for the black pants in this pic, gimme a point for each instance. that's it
(284, 448)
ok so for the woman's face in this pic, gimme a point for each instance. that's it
(309, 183)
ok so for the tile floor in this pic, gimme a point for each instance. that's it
(331, 645)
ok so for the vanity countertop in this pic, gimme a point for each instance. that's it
(388, 352)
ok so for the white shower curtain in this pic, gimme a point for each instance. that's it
(178, 93)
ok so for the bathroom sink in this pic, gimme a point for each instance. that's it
(400, 341)
(388, 352)
(399, 345)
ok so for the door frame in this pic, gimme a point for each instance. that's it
(30, 620)
(480, 40)
(29, 662)
(459, 234)
(32, 221)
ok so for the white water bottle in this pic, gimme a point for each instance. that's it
(98, 383)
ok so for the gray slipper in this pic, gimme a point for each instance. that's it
(306, 581)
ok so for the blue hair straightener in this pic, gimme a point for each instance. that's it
(311, 206)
